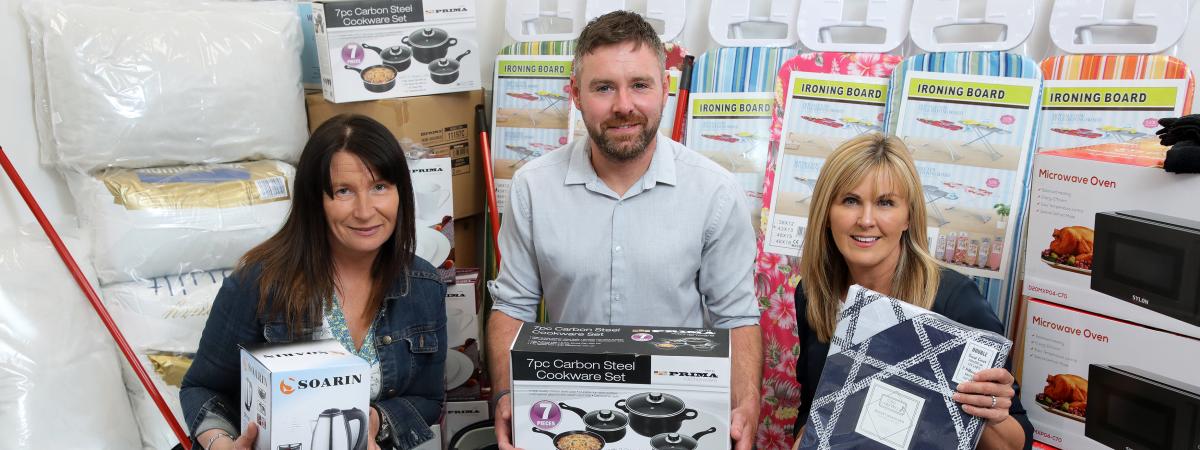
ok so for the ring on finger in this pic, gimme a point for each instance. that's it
(993, 402)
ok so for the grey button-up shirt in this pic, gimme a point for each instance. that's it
(679, 242)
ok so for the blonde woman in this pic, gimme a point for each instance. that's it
(867, 227)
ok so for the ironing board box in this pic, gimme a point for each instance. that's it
(304, 395)
(620, 387)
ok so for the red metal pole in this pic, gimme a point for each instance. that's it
(681, 98)
(489, 178)
(94, 299)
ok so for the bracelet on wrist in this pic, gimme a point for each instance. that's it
(496, 398)
(219, 435)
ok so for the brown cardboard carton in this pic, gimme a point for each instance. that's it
(444, 123)
(468, 241)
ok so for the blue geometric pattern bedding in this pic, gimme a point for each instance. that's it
(890, 374)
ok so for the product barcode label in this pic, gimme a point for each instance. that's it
(271, 188)
(786, 235)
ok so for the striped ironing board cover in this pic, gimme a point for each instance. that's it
(776, 275)
(1146, 153)
(1001, 64)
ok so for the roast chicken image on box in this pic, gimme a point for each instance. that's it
(1066, 395)
(1071, 249)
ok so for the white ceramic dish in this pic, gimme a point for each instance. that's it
(432, 246)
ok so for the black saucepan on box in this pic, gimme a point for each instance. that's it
(398, 57)
(445, 70)
(652, 413)
(574, 440)
(429, 44)
(477, 436)
(377, 78)
(607, 423)
(676, 441)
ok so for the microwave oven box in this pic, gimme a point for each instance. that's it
(440, 126)
(1061, 342)
(664, 379)
(376, 49)
(1066, 194)
(463, 353)
(290, 390)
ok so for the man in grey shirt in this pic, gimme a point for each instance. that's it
(627, 227)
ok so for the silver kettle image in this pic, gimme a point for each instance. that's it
(332, 431)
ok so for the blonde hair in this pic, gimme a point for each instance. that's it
(822, 267)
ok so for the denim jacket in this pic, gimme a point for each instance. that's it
(410, 340)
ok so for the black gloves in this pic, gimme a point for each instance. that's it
(1183, 134)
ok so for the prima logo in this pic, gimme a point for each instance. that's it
(672, 373)
(682, 332)
(446, 10)
(431, 169)
(464, 411)
(1141, 300)
(316, 383)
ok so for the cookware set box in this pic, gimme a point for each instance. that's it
(592, 387)
(375, 49)
(305, 396)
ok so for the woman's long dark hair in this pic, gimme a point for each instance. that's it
(296, 263)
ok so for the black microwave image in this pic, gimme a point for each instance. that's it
(1150, 260)
(1130, 408)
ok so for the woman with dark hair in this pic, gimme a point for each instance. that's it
(866, 226)
(341, 267)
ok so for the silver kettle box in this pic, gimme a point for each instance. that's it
(305, 396)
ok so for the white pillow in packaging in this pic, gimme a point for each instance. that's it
(59, 367)
(170, 221)
(164, 313)
(141, 83)
(166, 371)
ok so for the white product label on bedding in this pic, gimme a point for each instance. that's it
(975, 357)
(889, 415)
(269, 188)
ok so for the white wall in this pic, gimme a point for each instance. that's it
(18, 137)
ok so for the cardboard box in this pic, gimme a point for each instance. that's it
(1068, 192)
(468, 241)
(434, 219)
(664, 380)
(438, 125)
(310, 69)
(462, 415)
(1063, 342)
(376, 49)
(304, 392)
(463, 368)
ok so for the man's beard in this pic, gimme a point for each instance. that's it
(628, 148)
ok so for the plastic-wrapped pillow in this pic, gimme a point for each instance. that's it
(166, 371)
(140, 83)
(59, 368)
(164, 313)
(170, 221)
